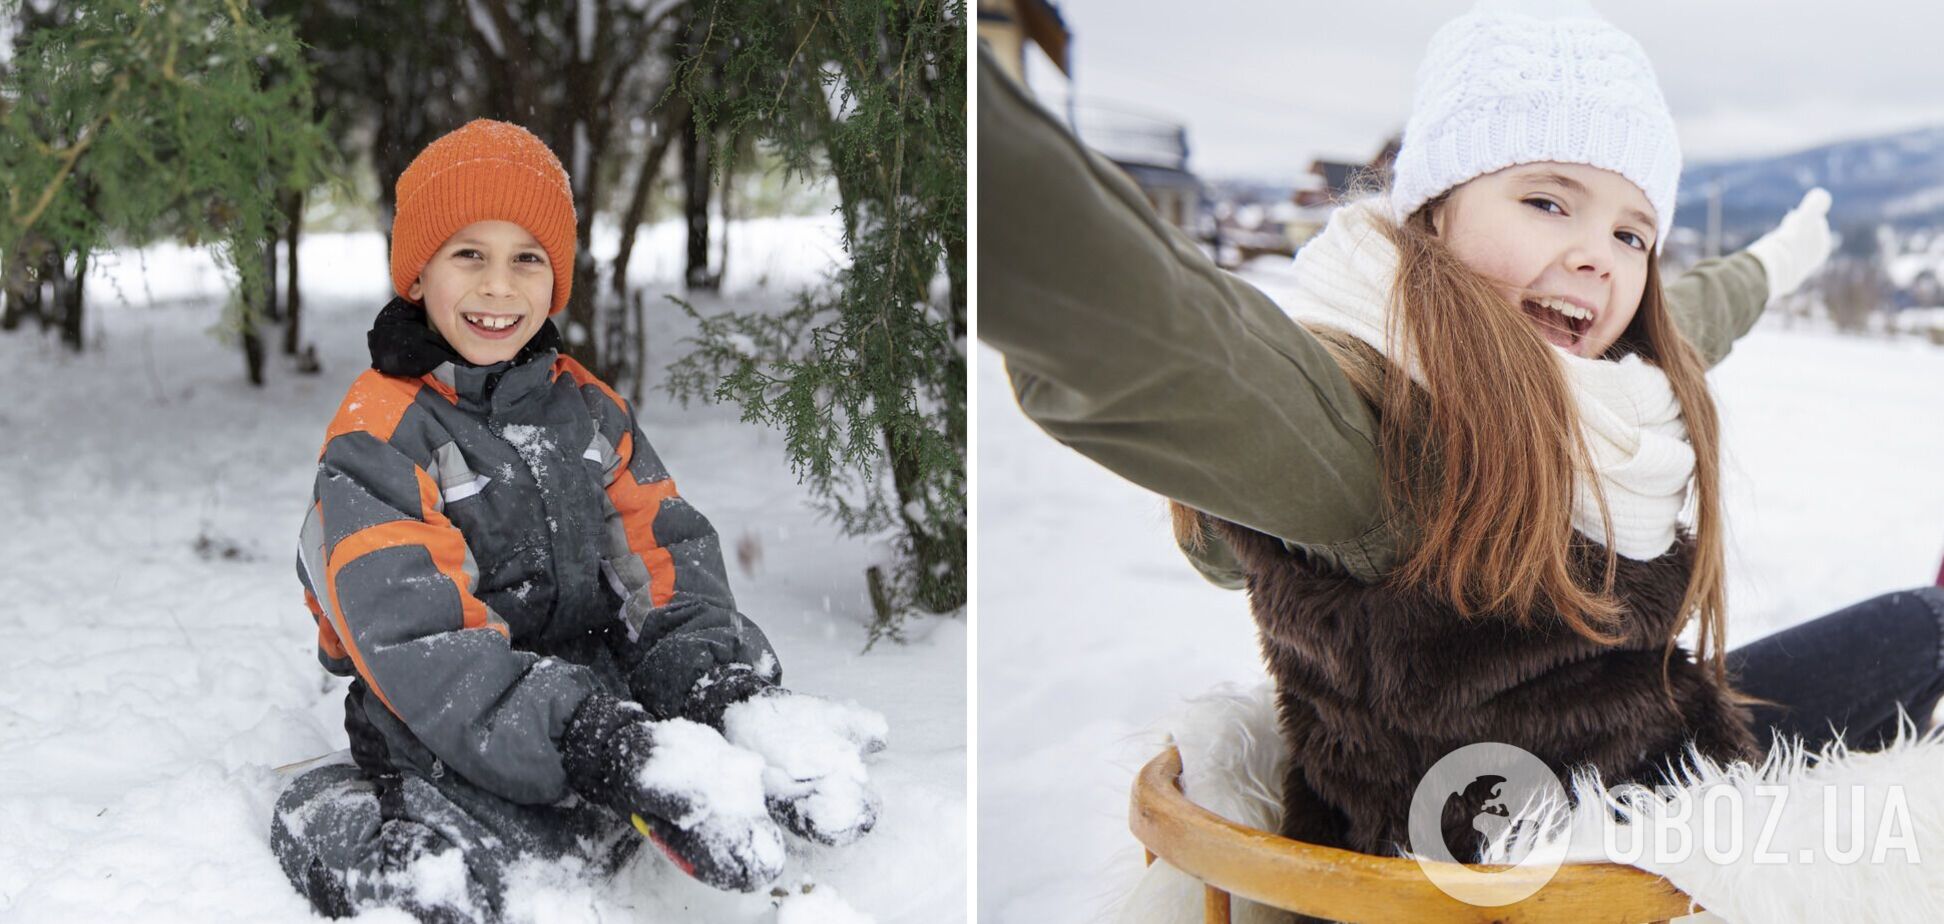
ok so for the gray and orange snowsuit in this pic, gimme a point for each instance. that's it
(485, 547)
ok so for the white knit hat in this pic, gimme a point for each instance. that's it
(1500, 88)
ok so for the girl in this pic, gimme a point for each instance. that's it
(546, 658)
(1455, 490)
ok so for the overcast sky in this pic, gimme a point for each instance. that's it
(1264, 86)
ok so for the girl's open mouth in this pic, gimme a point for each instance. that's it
(491, 326)
(1558, 320)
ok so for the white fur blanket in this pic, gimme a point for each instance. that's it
(1884, 812)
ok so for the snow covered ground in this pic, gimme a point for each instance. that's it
(156, 659)
(1092, 627)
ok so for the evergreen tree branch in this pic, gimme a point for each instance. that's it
(68, 157)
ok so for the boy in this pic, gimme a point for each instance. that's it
(546, 656)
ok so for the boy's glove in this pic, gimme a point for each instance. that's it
(697, 797)
(815, 783)
(1798, 245)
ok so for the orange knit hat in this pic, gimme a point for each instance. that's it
(484, 170)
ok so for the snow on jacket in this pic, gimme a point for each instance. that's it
(488, 545)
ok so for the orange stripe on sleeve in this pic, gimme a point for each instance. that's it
(348, 550)
(638, 504)
(571, 366)
(439, 538)
(327, 637)
(375, 405)
(445, 391)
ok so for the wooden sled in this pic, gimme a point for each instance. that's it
(1230, 859)
(297, 768)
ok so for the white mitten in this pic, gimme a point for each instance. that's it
(1797, 247)
(815, 782)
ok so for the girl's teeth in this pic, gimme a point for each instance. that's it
(1566, 308)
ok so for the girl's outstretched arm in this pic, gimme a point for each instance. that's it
(1126, 343)
(1717, 301)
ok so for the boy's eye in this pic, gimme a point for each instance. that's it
(1544, 204)
(537, 258)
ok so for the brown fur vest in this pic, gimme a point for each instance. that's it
(1376, 682)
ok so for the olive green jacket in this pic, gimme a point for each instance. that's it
(1126, 343)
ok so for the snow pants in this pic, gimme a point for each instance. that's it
(440, 849)
(1846, 674)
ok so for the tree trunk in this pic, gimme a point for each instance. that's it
(252, 338)
(9, 294)
(676, 114)
(250, 329)
(70, 292)
(20, 277)
(271, 314)
(940, 558)
(640, 345)
(695, 205)
(582, 313)
(294, 211)
(47, 289)
(722, 197)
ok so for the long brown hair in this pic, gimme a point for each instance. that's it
(1480, 461)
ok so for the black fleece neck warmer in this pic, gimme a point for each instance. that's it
(404, 343)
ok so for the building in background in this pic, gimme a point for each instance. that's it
(1006, 26)
(1329, 182)
(1335, 179)
(1151, 148)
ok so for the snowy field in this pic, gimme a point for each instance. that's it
(1092, 627)
(157, 661)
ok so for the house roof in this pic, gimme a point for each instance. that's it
(1040, 20)
(1149, 176)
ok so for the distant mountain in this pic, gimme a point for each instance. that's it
(1896, 179)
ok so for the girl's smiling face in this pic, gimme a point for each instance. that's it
(1569, 243)
(487, 290)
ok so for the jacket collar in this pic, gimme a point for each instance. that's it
(499, 385)
(404, 344)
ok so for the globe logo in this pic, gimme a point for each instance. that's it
(1482, 794)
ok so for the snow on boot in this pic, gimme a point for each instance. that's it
(422, 873)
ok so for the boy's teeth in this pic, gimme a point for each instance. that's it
(492, 323)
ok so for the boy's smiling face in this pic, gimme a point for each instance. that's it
(487, 290)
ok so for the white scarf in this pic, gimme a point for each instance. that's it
(1627, 410)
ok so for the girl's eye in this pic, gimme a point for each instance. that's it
(1631, 239)
(1545, 205)
(537, 258)
(466, 252)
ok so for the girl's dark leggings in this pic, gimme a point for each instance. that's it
(1845, 674)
